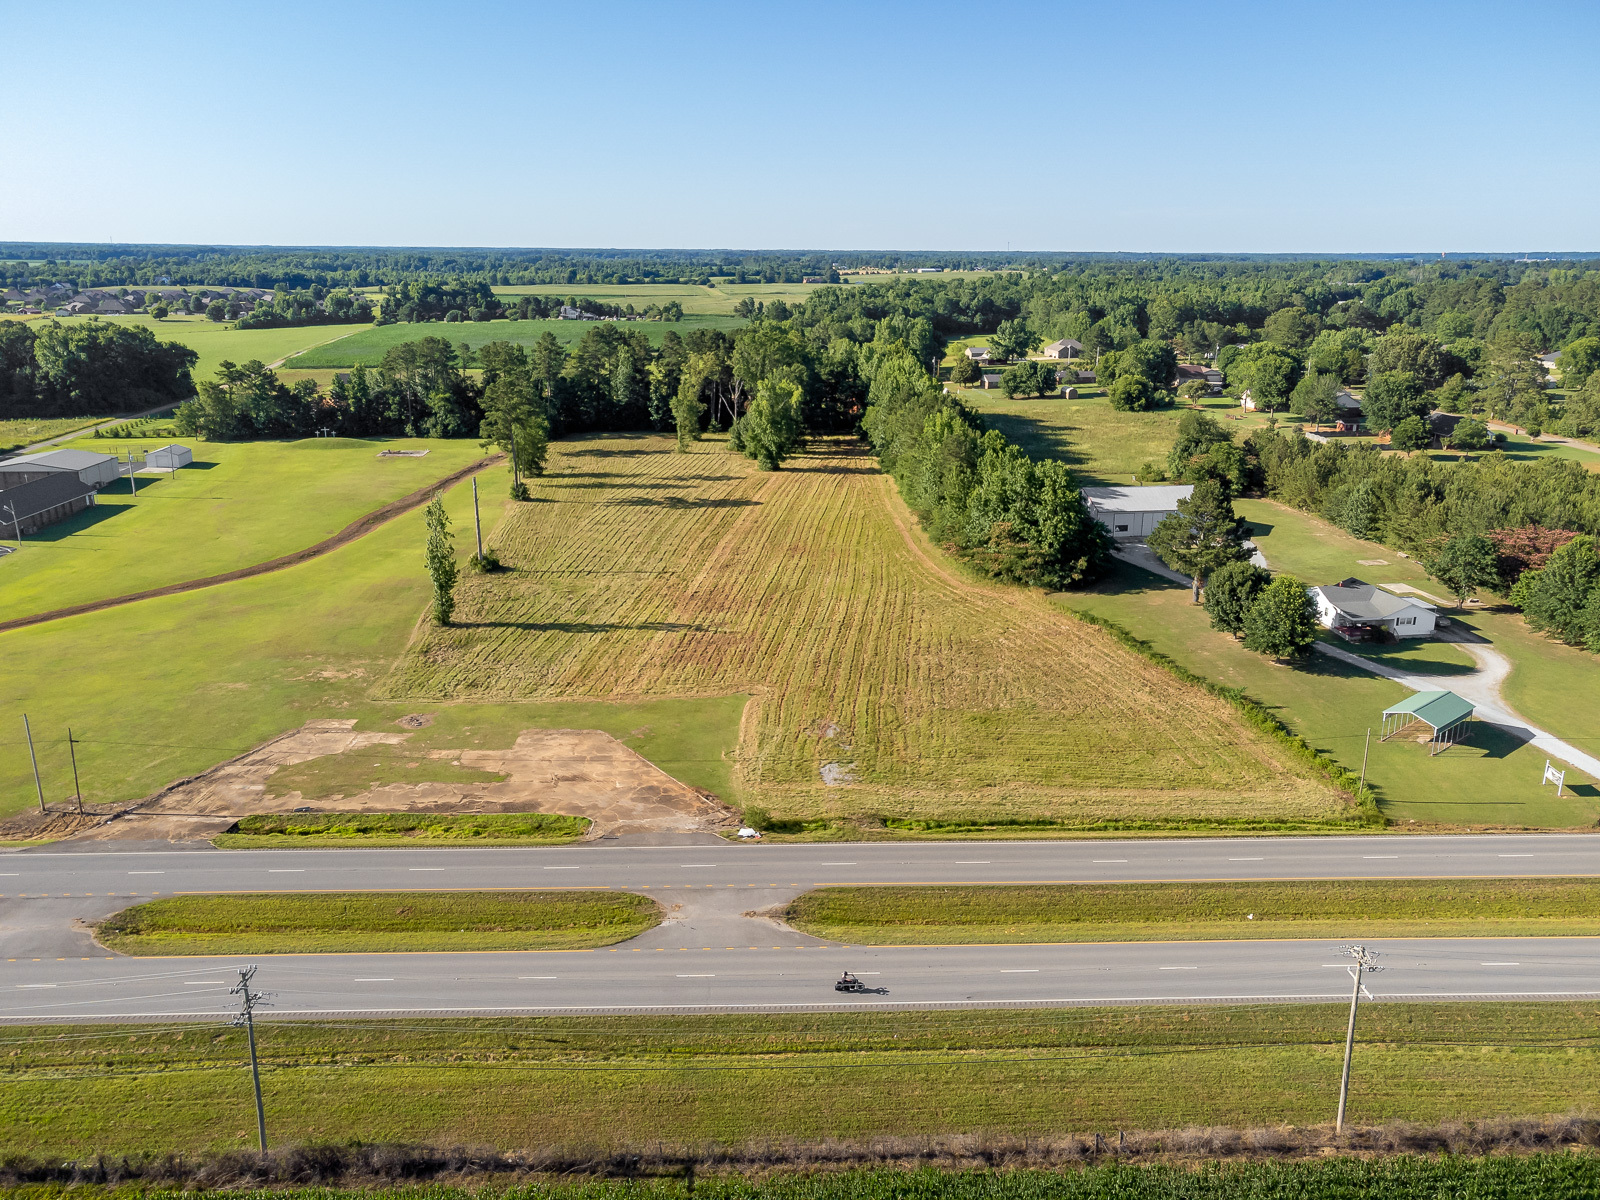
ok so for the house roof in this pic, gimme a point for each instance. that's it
(1063, 344)
(57, 460)
(1439, 709)
(1163, 498)
(1365, 602)
(976, 351)
(1347, 399)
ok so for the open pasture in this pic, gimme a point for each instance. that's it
(591, 1083)
(16, 432)
(238, 504)
(885, 682)
(368, 347)
(214, 341)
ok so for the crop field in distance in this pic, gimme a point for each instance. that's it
(368, 347)
(884, 682)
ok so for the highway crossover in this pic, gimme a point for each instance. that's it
(716, 952)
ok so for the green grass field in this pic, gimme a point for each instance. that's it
(922, 694)
(600, 1082)
(171, 686)
(239, 503)
(368, 347)
(1160, 912)
(377, 922)
(292, 830)
(216, 341)
(1100, 444)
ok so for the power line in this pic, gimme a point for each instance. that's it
(246, 1017)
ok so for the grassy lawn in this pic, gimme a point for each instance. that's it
(1551, 684)
(377, 922)
(1100, 444)
(1489, 781)
(368, 347)
(921, 694)
(214, 341)
(292, 830)
(1160, 912)
(236, 505)
(601, 1082)
(168, 687)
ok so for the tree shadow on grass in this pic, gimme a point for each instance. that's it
(589, 626)
(1039, 438)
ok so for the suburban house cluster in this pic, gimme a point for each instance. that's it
(61, 299)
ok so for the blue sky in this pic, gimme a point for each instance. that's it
(1286, 126)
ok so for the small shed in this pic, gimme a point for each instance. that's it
(168, 458)
(1444, 713)
(1070, 393)
(990, 380)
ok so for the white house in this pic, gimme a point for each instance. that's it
(1131, 513)
(977, 353)
(1357, 611)
(1065, 348)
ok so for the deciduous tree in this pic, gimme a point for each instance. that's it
(440, 558)
(1231, 590)
(1464, 564)
(1283, 620)
(1203, 535)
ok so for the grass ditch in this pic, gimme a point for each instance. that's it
(595, 1083)
(1156, 912)
(270, 830)
(377, 922)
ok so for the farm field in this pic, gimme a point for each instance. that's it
(377, 922)
(368, 347)
(694, 298)
(1100, 444)
(169, 687)
(239, 503)
(595, 1083)
(885, 683)
(215, 341)
(1340, 910)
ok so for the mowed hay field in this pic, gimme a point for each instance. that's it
(924, 695)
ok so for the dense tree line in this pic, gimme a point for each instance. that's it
(88, 368)
(315, 305)
(976, 492)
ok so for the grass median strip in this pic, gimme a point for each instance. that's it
(378, 922)
(402, 829)
(597, 1082)
(1158, 912)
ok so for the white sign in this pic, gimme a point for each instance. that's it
(1551, 775)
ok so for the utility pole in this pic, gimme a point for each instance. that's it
(39, 787)
(72, 749)
(247, 1006)
(1365, 960)
(477, 521)
(1365, 750)
(512, 425)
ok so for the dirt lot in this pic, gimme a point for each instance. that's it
(578, 772)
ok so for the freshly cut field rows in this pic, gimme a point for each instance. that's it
(641, 572)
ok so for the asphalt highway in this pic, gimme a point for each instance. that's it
(715, 950)
(777, 978)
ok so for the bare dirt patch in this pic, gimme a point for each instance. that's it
(576, 772)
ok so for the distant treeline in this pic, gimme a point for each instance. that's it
(447, 300)
(89, 368)
(99, 265)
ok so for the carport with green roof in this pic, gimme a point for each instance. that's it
(1444, 713)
